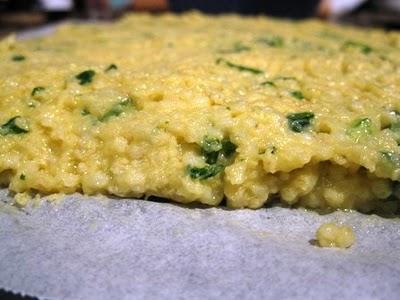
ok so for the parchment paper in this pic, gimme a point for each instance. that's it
(100, 248)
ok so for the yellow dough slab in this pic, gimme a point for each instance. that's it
(198, 108)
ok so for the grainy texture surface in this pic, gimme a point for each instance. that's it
(197, 108)
(124, 249)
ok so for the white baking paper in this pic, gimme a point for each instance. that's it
(100, 248)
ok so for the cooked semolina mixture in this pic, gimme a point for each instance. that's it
(197, 108)
(333, 235)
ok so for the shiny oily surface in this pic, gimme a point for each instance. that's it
(197, 108)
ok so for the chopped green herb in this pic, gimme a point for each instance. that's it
(13, 126)
(396, 112)
(298, 122)
(216, 154)
(211, 144)
(268, 82)
(85, 77)
(272, 83)
(228, 148)
(117, 109)
(392, 158)
(18, 57)
(272, 41)
(365, 49)
(85, 112)
(237, 48)
(271, 150)
(306, 45)
(210, 147)
(205, 172)
(286, 78)
(111, 67)
(215, 150)
(22, 177)
(384, 58)
(329, 34)
(360, 127)
(362, 123)
(238, 67)
(297, 94)
(395, 128)
(36, 90)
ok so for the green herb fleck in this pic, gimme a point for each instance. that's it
(360, 127)
(286, 78)
(85, 112)
(272, 41)
(211, 144)
(18, 57)
(13, 126)
(365, 49)
(22, 177)
(395, 128)
(111, 67)
(237, 48)
(85, 77)
(272, 83)
(215, 150)
(216, 154)
(297, 94)
(36, 90)
(329, 34)
(268, 82)
(210, 148)
(117, 109)
(238, 67)
(271, 150)
(205, 172)
(298, 122)
(228, 148)
(392, 158)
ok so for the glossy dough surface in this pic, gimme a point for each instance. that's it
(197, 108)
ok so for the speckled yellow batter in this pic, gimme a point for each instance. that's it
(197, 108)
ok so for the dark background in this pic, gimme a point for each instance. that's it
(22, 14)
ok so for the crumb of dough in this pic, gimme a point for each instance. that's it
(22, 199)
(333, 235)
(55, 197)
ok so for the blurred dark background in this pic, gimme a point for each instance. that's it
(22, 14)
